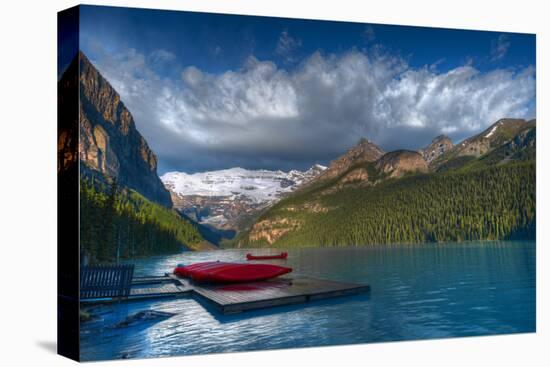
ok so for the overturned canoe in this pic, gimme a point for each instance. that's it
(222, 272)
(282, 255)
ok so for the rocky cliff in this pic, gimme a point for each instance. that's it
(439, 146)
(364, 151)
(398, 163)
(501, 132)
(109, 143)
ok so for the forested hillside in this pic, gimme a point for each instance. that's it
(491, 203)
(120, 223)
(482, 188)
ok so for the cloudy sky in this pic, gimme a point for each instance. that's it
(218, 91)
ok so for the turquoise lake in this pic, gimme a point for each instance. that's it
(417, 292)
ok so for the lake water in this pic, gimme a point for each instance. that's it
(417, 292)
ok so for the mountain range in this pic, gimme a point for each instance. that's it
(481, 188)
(239, 200)
(224, 198)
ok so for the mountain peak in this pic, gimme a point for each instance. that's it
(439, 146)
(76, 63)
(81, 57)
(399, 162)
(504, 128)
(493, 137)
(363, 141)
(363, 151)
(440, 138)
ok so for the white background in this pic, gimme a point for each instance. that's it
(28, 76)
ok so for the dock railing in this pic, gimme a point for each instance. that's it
(106, 281)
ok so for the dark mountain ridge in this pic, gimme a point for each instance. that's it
(364, 151)
(478, 145)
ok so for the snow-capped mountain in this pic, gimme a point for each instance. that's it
(223, 198)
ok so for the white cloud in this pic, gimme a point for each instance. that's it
(286, 46)
(192, 76)
(499, 47)
(262, 115)
(161, 55)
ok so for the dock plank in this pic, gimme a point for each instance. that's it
(151, 280)
(277, 292)
(233, 298)
(164, 289)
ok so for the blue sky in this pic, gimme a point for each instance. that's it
(218, 42)
(212, 91)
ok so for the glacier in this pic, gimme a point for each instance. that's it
(258, 186)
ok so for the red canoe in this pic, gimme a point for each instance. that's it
(282, 255)
(221, 272)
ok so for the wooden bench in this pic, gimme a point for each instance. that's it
(106, 281)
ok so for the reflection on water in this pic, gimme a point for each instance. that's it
(417, 292)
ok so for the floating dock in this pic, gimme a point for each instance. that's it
(234, 298)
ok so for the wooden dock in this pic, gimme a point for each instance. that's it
(234, 298)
